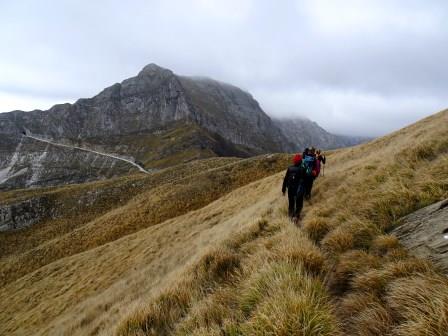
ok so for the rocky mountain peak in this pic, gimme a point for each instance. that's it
(134, 119)
(153, 69)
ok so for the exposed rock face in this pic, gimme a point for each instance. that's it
(425, 233)
(23, 214)
(32, 163)
(127, 119)
(234, 114)
(305, 133)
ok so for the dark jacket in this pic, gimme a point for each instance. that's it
(294, 177)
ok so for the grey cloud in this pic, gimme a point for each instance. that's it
(357, 69)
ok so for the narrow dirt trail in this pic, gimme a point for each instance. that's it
(143, 170)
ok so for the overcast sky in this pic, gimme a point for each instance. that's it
(355, 67)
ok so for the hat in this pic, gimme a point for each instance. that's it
(297, 159)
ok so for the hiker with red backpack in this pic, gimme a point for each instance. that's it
(294, 182)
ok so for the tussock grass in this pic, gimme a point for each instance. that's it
(375, 281)
(384, 244)
(277, 273)
(296, 249)
(420, 305)
(371, 321)
(286, 301)
(349, 265)
(355, 302)
(355, 235)
(212, 313)
(160, 316)
(412, 172)
(317, 228)
(216, 268)
(415, 304)
(157, 318)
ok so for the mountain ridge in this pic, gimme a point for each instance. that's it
(156, 118)
(305, 132)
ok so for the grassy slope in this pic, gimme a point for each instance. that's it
(238, 267)
(159, 199)
(174, 144)
(91, 290)
(76, 205)
(345, 276)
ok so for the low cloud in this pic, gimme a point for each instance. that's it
(356, 67)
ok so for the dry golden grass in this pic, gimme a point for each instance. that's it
(237, 286)
(384, 244)
(280, 289)
(289, 302)
(154, 203)
(77, 205)
(317, 228)
(219, 267)
(349, 265)
(89, 291)
(420, 304)
(235, 265)
(389, 177)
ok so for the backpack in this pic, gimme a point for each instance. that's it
(308, 163)
(294, 176)
(317, 167)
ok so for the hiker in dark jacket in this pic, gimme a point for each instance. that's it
(311, 167)
(305, 152)
(293, 181)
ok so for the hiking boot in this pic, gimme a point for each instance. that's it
(296, 221)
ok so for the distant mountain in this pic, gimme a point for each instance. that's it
(153, 120)
(304, 133)
(156, 118)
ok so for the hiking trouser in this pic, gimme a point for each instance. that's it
(295, 199)
(308, 184)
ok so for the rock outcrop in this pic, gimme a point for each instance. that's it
(33, 163)
(425, 233)
(25, 213)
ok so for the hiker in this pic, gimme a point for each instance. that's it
(305, 152)
(321, 159)
(293, 181)
(311, 167)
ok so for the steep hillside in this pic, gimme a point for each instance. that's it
(304, 133)
(211, 252)
(106, 211)
(340, 273)
(156, 118)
